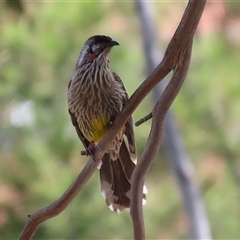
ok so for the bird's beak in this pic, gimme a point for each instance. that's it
(113, 43)
(107, 46)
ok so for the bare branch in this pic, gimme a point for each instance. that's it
(179, 54)
(180, 163)
(154, 141)
(60, 204)
(199, 227)
(144, 119)
(176, 48)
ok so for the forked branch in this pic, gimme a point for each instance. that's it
(176, 54)
(178, 158)
(154, 141)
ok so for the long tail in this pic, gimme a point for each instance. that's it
(115, 179)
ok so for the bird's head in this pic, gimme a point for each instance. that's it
(96, 48)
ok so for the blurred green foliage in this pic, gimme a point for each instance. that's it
(39, 149)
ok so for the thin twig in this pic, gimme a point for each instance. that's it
(143, 120)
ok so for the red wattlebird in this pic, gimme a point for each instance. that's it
(96, 95)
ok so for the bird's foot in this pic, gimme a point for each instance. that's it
(84, 153)
(90, 150)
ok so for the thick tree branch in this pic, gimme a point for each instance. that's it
(178, 43)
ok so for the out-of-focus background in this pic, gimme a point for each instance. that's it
(39, 149)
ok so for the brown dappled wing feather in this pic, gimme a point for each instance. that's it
(129, 124)
(75, 124)
(79, 133)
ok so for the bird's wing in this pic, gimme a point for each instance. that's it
(75, 124)
(129, 124)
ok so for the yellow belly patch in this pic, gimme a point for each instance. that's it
(99, 127)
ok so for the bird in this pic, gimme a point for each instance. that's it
(96, 96)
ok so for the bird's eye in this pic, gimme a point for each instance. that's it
(91, 51)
